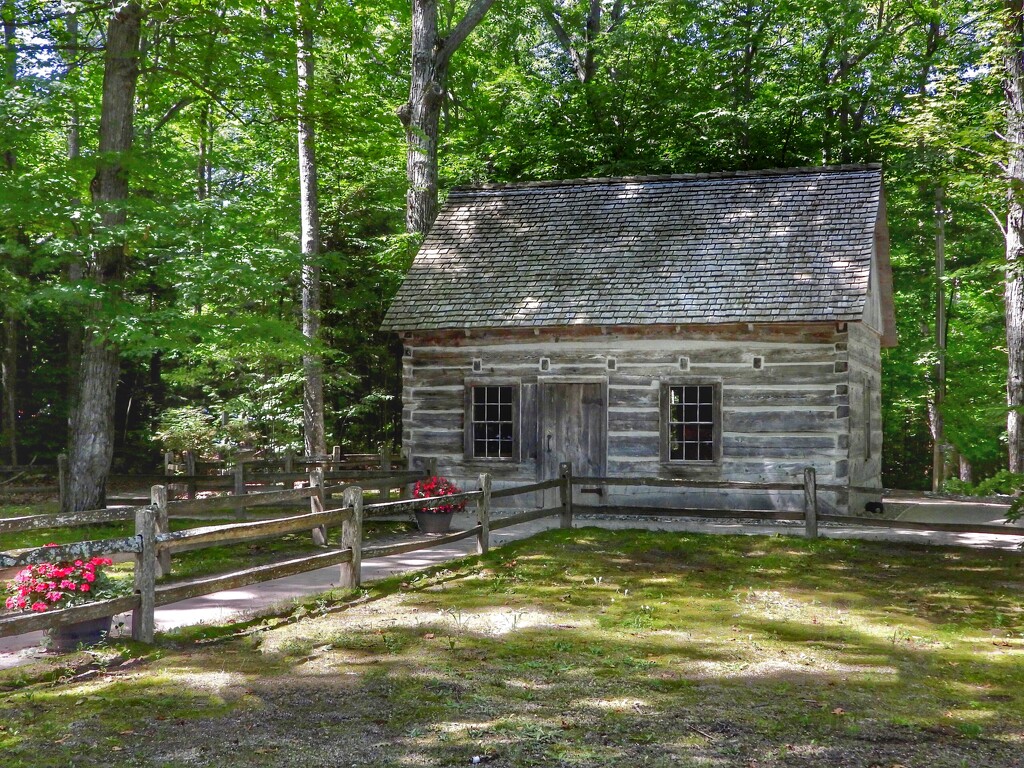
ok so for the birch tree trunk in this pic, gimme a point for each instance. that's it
(312, 364)
(1013, 88)
(935, 415)
(92, 421)
(431, 55)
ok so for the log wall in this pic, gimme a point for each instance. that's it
(865, 451)
(788, 401)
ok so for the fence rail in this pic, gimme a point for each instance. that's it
(192, 475)
(152, 545)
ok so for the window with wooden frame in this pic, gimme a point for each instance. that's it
(492, 421)
(691, 422)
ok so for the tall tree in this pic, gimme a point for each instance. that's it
(312, 363)
(9, 353)
(431, 57)
(1013, 89)
(92, 421)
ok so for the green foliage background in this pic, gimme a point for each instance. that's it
(211, 315)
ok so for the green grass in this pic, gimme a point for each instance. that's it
(35, 508)
(589, 648)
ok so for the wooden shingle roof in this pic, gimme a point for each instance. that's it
(789, 246)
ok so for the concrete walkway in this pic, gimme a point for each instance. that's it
(222, 607)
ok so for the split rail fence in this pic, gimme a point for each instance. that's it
(186, 475)
(153, 544)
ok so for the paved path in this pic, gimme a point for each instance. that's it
(223, 606)
(925, 509)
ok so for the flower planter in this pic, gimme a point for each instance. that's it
(434, 522)
(70, 637)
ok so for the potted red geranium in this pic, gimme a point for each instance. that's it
(49, 586)
(437, 519)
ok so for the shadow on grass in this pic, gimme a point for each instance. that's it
(594, 648)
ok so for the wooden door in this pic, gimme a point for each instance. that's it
(573, 420)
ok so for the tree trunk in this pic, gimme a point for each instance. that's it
(7, 12)
(966, 470)
(8, 380)
(312, 363)
(76, 266)
(1013, 88)
(9, 355)
(936, 430)
(92, 422)
(421, 115)
(935, 407)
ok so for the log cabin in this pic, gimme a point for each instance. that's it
(720, 326)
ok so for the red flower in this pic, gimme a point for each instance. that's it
(57, 585)
(433, 487)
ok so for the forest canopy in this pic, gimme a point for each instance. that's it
(181, 250)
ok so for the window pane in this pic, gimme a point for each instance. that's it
(692, 422)
(493, 423)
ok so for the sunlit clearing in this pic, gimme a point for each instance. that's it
(619, 705)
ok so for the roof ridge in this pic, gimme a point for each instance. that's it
(593, 181)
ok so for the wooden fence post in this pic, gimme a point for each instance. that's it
(385, 465)
(406, 490)
(336, 455)
(431, 466)
(316, 504)
(810, 504)
(565, 490)
(62, 478)
(190, 470)
(158, 498)
(239, 473)
(483, 515)
(144, 617)
(289, 462)
(352, 538)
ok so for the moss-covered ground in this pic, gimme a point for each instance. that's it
(577, 648)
